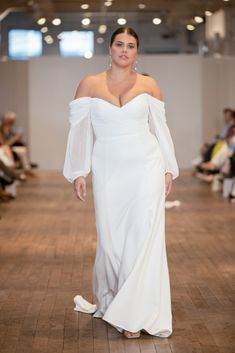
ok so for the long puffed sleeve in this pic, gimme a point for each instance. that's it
(158, 126)
(80, 140)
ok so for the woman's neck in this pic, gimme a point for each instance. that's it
(119, 74)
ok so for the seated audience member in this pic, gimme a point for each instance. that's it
(220, 170)
(14, 139)
(8, 173)
(232, 176)
(209, 150)
(226, 149)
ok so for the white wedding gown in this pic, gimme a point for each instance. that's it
(128, 149)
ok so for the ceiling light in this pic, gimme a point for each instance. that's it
(198, 19)
(102, 29)
(56, 21)
(59, 36)
(41, 21)
(88, 54)
(44, 29)
(208, 13)
(121, 21)
(100, 40)
(85, 6)
(141, 6)
(108, 3)
(226, 0)
(190, 27)
(48, 39)
(157, 21)
(86, 21)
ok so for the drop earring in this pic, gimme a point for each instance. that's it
(110, 61)
(134, 67)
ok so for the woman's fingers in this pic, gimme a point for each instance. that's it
(80, 189)
(81, 192)
(168, 185)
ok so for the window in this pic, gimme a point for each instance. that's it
(77, 43)
(24, 44)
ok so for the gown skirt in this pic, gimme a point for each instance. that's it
(128, 150)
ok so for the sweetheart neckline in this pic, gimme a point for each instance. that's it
(123, 106)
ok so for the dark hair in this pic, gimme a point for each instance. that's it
(127, 30)
(227, 110)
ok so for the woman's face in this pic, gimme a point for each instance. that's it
(124, 50)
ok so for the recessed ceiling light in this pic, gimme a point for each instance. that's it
(56, 21)
(121, 21)
(208, 13)
(157, 21)
(85, 6)
(88, 54)
(41, 21)
(190, 27)
(226, 0)
(141, 6)
(48, 39)
(44, 29)
(198, 19)
(100, 40)
(86, 21)
(59, 36)
(102, 29)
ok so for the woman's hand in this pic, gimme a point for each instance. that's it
(80, 188)
(168, 179)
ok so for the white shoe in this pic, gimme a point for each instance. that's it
(83, 305)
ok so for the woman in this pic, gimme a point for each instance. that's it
(133, 164)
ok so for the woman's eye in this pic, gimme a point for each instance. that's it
(119, 44)
(131, 46)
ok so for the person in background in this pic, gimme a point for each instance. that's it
(14, 139)
(227, 146)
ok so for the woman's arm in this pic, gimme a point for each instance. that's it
(156, 93)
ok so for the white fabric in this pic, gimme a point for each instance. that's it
(4, 157)
(83, 305)
(128, 160)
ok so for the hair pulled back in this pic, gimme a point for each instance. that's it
(127, 30)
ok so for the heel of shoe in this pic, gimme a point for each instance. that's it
(128, 334)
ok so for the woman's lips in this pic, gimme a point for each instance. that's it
(123, 57)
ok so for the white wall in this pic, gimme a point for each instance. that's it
(14, 91)
(218, 77)
(195, 91)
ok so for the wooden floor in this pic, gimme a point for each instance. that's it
(47, 249)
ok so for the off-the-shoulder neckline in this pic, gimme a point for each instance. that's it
(116, 106)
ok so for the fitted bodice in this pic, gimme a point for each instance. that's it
(109, 120)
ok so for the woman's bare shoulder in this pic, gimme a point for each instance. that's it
(152, 85)
(87, 84)
(84, 87)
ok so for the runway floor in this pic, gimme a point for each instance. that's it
(47, 249)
